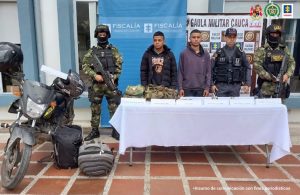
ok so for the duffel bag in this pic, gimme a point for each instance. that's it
(66, 141)
(95, 159)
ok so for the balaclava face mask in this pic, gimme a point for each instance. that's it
(273, 41)
(102, 40)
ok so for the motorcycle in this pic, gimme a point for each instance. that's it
(45, 108)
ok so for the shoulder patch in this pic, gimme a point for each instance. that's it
(241, 50)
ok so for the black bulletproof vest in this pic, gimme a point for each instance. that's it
(229, 69)
(106, 58)
(273, 60)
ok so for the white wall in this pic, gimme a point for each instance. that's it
(241, 6)
(49, 24)
(9, 19)
(197, 6)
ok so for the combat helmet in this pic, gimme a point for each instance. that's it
(274, 28)
(273, 40)
(102, 28)
(73, 86)
(11, 57)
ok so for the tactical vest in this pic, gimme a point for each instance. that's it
(105, 56)
(273, 60)
(229, 69)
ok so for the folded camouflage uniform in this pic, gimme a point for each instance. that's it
(160, 92)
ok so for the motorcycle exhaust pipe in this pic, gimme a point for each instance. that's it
(4, 125)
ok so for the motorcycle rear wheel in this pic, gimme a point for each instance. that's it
(15, 164)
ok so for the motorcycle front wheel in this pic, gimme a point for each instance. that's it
(15, 164)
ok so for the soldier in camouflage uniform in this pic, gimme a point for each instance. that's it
(112, 61)
(268, 61)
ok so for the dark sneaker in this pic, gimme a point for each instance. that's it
(92, 135)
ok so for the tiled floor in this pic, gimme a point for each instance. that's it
(170, 170)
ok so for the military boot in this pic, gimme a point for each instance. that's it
(93, 134)
(115, 134)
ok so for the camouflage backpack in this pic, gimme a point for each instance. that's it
(136, 91)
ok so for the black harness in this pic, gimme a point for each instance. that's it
(105, 56)
(229, 69)
(273, 60)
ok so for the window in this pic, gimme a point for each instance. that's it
(9, 32)
(86, 20)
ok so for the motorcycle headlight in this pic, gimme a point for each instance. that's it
(35, 110)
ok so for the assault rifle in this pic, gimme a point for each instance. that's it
(107, 77)
(280, 86)
(108, 80)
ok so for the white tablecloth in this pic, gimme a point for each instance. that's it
(146, 124)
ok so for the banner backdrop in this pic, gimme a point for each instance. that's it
(132, 24)
(213, 27)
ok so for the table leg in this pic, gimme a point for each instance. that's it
(130, 157)
(268, 156)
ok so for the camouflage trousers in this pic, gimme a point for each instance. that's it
(267, 88)
(96, 93)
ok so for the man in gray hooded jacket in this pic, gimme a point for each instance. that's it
(194, 72)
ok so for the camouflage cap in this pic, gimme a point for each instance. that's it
(231, 31)
(102, 28)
